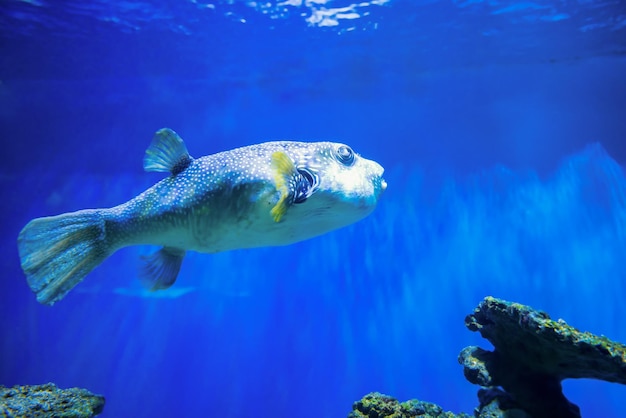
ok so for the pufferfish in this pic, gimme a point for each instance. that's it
(269, 194)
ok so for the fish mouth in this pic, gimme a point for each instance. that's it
(380, 185)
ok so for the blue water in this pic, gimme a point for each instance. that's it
(502, 129)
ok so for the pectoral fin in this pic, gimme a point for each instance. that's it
(295, 185)
(284, 172)
(159, 270)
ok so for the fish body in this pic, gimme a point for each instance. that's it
(269, 194)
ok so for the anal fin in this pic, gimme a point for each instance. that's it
(159, 270)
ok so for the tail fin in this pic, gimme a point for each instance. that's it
(58, 252)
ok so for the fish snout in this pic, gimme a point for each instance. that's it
(380, 185)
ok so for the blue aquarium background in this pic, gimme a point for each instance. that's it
(502, 129)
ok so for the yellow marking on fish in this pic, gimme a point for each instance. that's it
(215, 203)
(284, 168)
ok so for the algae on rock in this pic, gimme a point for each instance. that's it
(45, 401)
(378, 405)
(533, 354)
(521, 377)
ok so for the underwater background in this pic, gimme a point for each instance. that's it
(502, 129)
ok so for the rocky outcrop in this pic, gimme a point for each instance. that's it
(522, 376)
(379, 405)
(44, 401)
(533, 354)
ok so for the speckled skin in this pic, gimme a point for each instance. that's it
(223, 201)
(275, 193)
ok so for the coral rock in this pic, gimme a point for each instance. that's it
(48, 400)
(377, 405)
(534, 353)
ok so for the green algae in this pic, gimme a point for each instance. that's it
(377, 405)
(533, 354)
(45, 401)
(521, 377)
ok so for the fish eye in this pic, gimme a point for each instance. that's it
(345, 155)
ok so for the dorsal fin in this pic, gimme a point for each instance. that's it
(167, 152)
